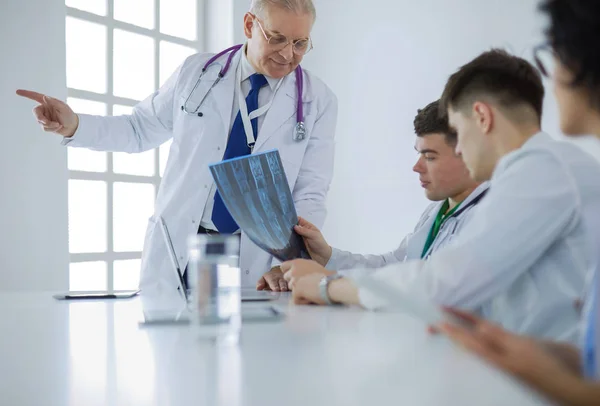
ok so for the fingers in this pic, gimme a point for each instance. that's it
(283, 285)
(286, 266)
(29, 94)
(261, 284)
(464, 338)
(434, 330)
(42, 115)
(306, 232)
(494, 336)
(53, 128)
(302, 222)
(477, 343)
(288, 276)
(462, 315)
(299, 299)
(272, 282)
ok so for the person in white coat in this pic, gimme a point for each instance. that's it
(249, 99)
(525, 257)
(446, 182)
(567, 375)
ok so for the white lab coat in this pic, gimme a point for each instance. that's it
(200, 141)
(525, 257)
(592, 315)
(412, 245)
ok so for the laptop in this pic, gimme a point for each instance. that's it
(247, 294)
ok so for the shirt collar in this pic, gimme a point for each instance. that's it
(248, 70)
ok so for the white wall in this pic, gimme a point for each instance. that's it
(385, 59)
(33, 166)
(219, 25)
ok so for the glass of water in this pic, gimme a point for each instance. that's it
(214, 279)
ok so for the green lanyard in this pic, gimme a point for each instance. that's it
(437, 224)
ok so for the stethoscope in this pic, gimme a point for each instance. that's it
(300, 129)
(457, 213)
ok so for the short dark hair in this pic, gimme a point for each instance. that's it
(574, 34)
(508, 80)
(429, 121)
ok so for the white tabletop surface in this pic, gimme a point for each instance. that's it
(95, 353)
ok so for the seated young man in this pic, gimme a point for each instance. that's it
(567, 374)
(523, 259)
(446, 181)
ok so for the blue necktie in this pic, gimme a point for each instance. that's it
(237, 146)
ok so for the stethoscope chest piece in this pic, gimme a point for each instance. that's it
(300, 131)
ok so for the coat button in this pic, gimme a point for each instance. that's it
(247, 272)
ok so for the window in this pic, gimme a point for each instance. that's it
(118, 53)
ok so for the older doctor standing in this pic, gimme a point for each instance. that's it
(246, 99)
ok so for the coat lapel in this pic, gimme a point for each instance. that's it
(225, 89)
(419, 237)
(283, 108)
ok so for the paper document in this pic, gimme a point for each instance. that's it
(255, 190)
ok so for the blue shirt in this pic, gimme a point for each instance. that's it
(591, 345)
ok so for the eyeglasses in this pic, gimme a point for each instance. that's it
(543, 56)
(300, 46)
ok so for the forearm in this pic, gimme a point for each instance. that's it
(343, 291)
(567, 354)
(584, 394)
(117, 134)
(568, 386)
(343, 260)
(566, 389)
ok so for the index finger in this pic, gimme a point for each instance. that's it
(460, 314)
(30, 94)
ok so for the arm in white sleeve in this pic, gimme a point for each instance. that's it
(149, 125)
(343, 260)
(531, 203)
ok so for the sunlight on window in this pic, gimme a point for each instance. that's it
(171, 56)
(81, 159)
(86, 55)
(136, 12)
(127, 274)
(133, 205)
(91, 6)
(133, 65)
(87, 216)
(178, 18)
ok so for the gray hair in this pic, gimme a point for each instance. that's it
(297, 6)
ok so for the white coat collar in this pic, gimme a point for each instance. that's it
(248, 70)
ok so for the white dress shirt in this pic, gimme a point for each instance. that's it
(527, 253)
(264, 96)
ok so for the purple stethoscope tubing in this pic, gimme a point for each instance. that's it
(300, 130)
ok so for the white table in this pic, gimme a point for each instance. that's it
(95, 353)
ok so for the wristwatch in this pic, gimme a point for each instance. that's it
(324, 284)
